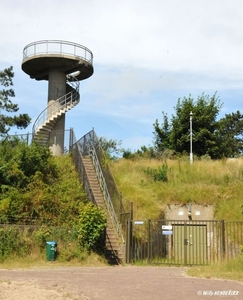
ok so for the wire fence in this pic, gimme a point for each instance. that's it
(23, 240)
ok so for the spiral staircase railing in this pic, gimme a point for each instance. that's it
(48, 117)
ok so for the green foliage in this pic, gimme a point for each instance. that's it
(6, 104)
(112, 148)
(159, 174)
(12, 243)
(92, 223)
(229, 132)
(19, 162)
(142, 153)
(37, 187)
(20, 241)
(128, 154)
(162, 134)
(211, 137)
(41, 235)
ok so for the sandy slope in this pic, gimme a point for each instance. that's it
(29, 291)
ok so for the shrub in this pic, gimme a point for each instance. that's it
(159, 174)
(12, 243)
(92, 223)
(40, 236)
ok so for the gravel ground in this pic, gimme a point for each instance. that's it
(113, 283)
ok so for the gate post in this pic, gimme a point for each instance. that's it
(129, 243)
(149, 250)
(185, 243)
(223, 237)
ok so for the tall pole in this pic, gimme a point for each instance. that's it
(191, 155)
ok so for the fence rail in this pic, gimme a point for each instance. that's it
(185, 242)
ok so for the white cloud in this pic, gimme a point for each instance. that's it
(147, 54)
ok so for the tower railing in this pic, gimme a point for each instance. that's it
(57, 47)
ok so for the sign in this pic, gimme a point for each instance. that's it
(138, 222)
(167, 232)
(167, 227)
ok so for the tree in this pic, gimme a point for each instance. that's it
(174, 135)
(6, 104)
(230, 132)
(161, 134)
(112, 148)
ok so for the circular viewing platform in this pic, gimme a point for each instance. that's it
(42, 56)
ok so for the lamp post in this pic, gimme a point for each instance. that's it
(191, 155)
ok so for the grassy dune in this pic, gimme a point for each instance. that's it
(218, 183)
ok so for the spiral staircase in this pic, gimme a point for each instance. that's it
(47, 119)
(63, 64)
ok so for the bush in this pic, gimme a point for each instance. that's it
(159, 174)
(41, 236)
(92, 223)
(12, 243)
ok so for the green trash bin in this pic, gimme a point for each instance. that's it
(51, 250)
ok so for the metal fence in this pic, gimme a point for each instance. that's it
(22, 240)
(28, 137)
(176, 242)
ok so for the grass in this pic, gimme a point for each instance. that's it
(218, 183)
(204, 182)
(32, 261)
(231, 270)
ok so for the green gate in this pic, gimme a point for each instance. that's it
(190, 244)
(184, 242)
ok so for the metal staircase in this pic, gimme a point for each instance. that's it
(101, 189)
(47, 119)
(112, 248)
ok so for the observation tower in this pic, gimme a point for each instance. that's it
(63, 64)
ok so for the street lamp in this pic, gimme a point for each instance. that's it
(191, 155)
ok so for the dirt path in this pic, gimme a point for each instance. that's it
(113, 283)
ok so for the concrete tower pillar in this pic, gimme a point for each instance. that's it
(56, 89)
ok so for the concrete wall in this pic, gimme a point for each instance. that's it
(189, 212)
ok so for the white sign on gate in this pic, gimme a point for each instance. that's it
(167, 227)
(167, 232)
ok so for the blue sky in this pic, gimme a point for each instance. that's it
(147, 54)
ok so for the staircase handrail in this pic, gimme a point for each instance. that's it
(61, 103)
